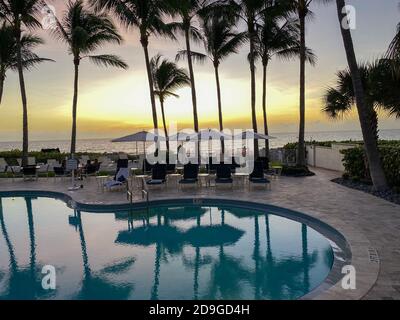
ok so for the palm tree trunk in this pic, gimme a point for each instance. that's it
(145, 43)
(192, 81)
(221, 123)
(75, 106)
(164, 122)
(25, 138)
(301, 152)
(253, 87)
(266, 132)
(2, 78)
(364, 113)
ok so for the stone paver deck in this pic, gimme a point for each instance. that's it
(370, 225)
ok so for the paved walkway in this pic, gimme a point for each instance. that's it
(371, 225)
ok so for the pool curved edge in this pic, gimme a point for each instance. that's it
(346, 249)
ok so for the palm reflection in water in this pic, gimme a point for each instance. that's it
(210, 250)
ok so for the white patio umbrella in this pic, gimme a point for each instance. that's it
(248, 133)
(142, 136)
(206, 134)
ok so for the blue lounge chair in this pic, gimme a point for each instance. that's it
(29, 173)
(224, 175)
(158, 175)
(190, 174)
(258, 177)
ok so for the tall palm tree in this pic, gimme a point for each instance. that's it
(167, 78)
(302, 9)
(364, 113)
(147, 16)
(380, 87)
(278, 36)
(220, 41)
(250, 12)
(84, 32)
(188, 10)
(21, 15)
(8, 53)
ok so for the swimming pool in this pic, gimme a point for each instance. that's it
(205, 249)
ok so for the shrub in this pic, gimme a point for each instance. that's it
(356, 165)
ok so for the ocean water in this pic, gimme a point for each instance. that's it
(105, 145)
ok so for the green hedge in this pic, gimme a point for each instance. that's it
(11, 156)
(388, 143)
(356, 165)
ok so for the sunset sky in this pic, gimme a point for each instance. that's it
(116, 102)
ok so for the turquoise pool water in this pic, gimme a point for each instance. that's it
(170, 252)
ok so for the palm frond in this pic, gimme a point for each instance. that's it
(196, 56)
(336, 104)
(107, 60)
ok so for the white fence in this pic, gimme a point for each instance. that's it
(327, 158)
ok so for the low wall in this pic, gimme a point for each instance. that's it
(327, 158)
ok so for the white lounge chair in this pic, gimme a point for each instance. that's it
(120, 180)
(31, 161)
(44, 169)
(52, 163)
(3, 165)
(84, 159)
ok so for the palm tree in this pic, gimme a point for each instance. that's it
(84, 32)
(220, 41)
(393, 51)
(20, 15)
(364, 113)
(8, 53)
(147, 16)
(250, 12)
(381, 92)
(302, 9)
(167, 78)
(188, 10)
(278, 37)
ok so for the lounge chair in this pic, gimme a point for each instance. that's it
(3, 165)
(31, 161)
(29, 173)
(44, 169)
(158, 175)
(190, 175)
(212, 166)
(52, 163)
(120, 180)
(60, 172)
(84, 159)
(147, 167)
(106, 164)
(224, 175)
(91, 169)
(15, 169)
(258, 177)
